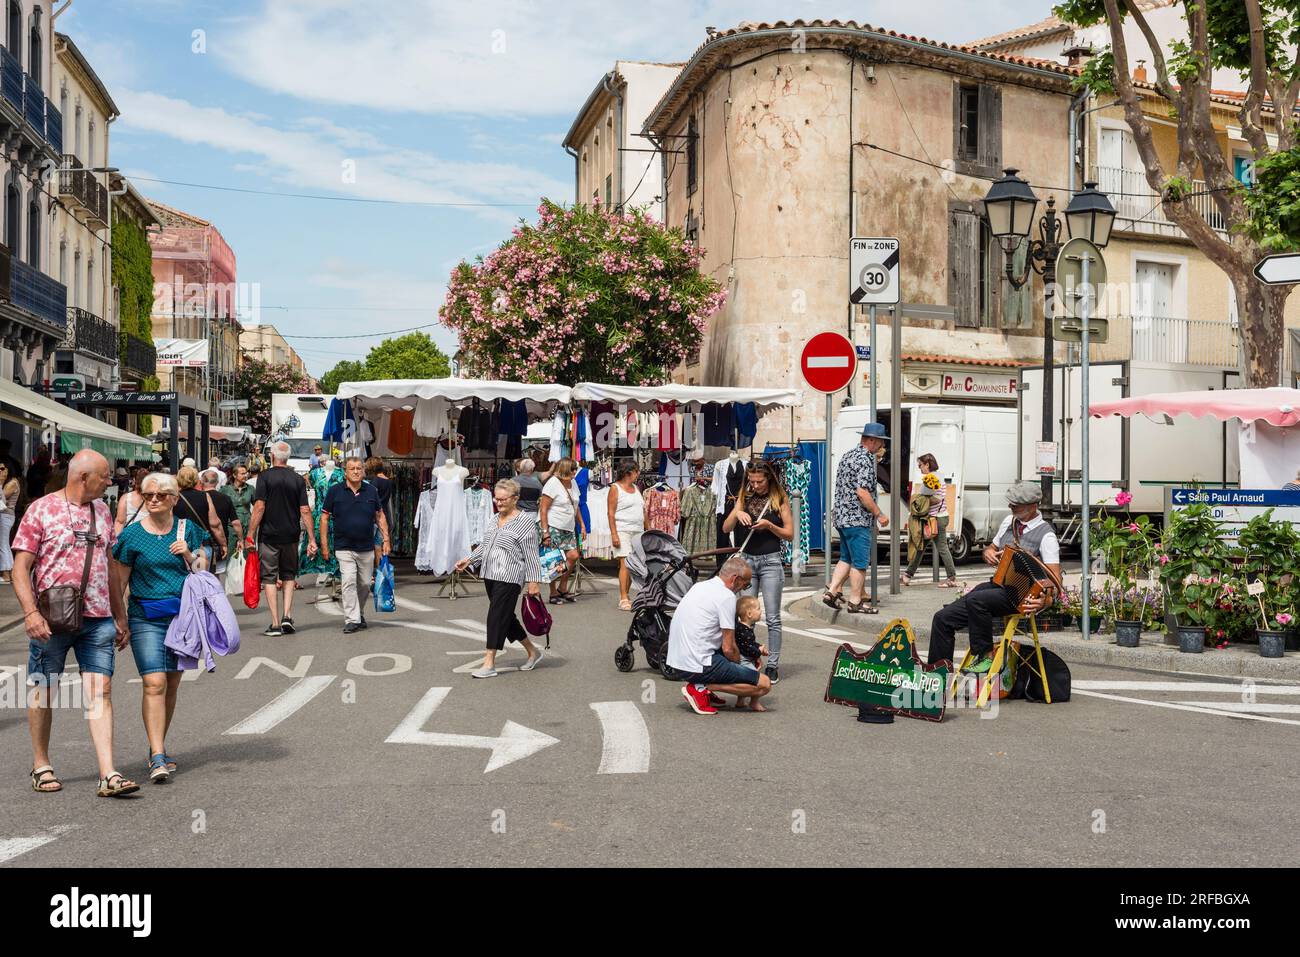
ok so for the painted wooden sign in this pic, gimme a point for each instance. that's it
(891, 676)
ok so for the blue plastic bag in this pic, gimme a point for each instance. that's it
(552, 561)
(385, 586)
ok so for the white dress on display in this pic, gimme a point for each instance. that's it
(599, 542)
(478, 513)
(424, 524)
(450, 528)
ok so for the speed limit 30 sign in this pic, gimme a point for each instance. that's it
(873, 272)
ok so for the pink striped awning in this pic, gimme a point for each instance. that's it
(1280, 407)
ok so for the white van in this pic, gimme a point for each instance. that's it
(975, 446)
(300, 421)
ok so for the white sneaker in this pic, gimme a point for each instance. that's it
(532, 663)
(484, 673)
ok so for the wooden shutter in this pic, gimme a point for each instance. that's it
(990, 131)
(957, 154)
(1017, 308)
(963, 266)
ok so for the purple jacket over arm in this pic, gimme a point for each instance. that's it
(206, 623)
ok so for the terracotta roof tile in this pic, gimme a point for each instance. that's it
(1047, 26)
(965, 360)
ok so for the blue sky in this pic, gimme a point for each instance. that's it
(427, 100)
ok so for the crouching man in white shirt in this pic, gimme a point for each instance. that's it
(702, 648)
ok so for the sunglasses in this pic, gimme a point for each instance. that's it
(155, 496)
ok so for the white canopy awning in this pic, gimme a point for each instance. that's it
(692, 397)
(218, 433)
(77, 430)
(390, 394)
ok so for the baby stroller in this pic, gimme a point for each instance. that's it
(663, 573)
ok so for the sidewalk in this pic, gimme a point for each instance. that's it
(919, 602)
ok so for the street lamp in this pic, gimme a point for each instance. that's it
(1010, 206)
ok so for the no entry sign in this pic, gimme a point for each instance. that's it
(828, 362)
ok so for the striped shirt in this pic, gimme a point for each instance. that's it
(508, 553)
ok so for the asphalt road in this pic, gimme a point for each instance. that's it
(375, 749)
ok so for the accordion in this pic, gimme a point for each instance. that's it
(1024, 576)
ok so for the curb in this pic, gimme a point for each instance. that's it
(1099, 651)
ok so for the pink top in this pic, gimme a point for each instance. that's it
(55, 530)
(662, 510)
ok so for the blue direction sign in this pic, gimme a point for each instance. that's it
(1234, 507)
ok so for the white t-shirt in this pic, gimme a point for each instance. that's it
(1049, 552)
(560, 514)
(696, 632)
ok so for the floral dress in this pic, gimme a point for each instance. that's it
(798, 476)
(699, 519)
(320, 484)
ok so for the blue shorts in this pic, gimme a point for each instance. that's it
(93, 645)
(856, 543)
(151, 655)
(720, 671)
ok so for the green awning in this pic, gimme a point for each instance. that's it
(71, 442)
(76, 430)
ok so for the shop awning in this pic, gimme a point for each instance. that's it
(1279, 407)
(217, 433)
(77, 431)
(389, 394)
(643, 398)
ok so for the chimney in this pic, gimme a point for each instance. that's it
(1078, 50)
(1140, 74)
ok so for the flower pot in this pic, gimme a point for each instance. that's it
(1191, 639)
(1293, 639)
(1128, 634)
(1271, 643)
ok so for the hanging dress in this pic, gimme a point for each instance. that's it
(662, 510)
(698, 521)
(599, 542)
(478, 513)
(798, 476)
(450, 529)
(424, 525)
(320, 486)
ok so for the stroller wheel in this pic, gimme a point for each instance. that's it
(624, 660)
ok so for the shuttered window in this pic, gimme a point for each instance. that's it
(964, 266)
(1017, 308)
(692, 155)
(977, 128)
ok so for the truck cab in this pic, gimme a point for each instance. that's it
(300, 421)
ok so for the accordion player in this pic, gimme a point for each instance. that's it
(1022, 586)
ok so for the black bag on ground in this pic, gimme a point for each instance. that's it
(1029, 686)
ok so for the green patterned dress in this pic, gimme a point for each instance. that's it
(320, 485)
(699, 519)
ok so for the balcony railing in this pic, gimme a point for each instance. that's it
(11, 79)
(53, 126)
(1176, 341)
(38, 294)
(24, 98)
(140, 357)
(34, 104)
(90, 334)
(81, 186)
(1139, 208)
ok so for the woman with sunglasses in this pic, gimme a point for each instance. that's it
(153, 556)
(765, 523)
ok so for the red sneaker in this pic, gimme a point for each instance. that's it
(717, 700)
(698, 700)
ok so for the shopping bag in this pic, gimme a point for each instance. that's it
(252, 579)
(235, 573)
(553, 563)
(385, 586)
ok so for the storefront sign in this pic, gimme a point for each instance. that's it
(890, 676)
(183, 353)
(122, 396)
(975, 385)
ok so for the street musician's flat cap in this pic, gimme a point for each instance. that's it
(1025, 493)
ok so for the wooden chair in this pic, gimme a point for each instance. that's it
(1000, 652)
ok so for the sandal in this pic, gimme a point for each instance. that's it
(624, 605)
(555, 600)
(906, 579)
(115, 786)
(950, 583)
(167, 759)
(568, 598)
(833, 599)
(862, 608)
(158, 772)
(39, 781)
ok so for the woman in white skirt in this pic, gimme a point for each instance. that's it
(9, 488)
(626, 523)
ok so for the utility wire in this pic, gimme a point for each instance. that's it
(370, 335)
(321, 196)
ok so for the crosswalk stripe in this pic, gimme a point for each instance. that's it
(412, 605)
(624, 737)
(269, 715)
(12, 847)
(468, 623)
(1216, 710)
(1258, 707)
(1189, 687)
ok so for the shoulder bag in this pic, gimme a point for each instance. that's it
(63, 606)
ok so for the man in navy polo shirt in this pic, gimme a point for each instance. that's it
(355, 510)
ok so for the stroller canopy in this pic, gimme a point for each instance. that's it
(652, 555)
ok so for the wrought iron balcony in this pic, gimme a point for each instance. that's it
(37, 294)
(11, 79)
(53, 126)
(25, 111)
(140, 358)
(90, 334)
(34, 104)
(86, 192)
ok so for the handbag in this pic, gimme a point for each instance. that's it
(537, 620)
(63, 606)
(159, 608)
(930, 529)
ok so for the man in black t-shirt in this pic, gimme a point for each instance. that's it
(279, 512)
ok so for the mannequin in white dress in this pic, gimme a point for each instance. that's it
(450, 533)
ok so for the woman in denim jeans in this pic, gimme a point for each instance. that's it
(764, 509)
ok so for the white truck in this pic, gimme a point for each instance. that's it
(975, 447)
(300, 421)
(1138, 455)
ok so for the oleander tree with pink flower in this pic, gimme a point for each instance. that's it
(584, 294)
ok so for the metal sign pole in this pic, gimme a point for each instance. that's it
(875, 560)
(1086, 497)
(827, 502)
(895, 456)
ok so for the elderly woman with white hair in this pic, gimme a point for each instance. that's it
(153, 557)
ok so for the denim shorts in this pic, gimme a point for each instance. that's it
(151, 655)
(93, 645)
(720, 671)
(856, 543)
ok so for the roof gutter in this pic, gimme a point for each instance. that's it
(987, 60)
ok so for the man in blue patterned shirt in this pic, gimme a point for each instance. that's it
(856, 514)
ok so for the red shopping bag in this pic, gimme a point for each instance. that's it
(252, 578)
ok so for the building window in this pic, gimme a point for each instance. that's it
(13, 216)
(76, 279)
(977, 128)
(63, 102)
(90, 145)
(692, 157)
(76, 150)
(34, 68)
(63, 263)
(15, 32)
(609, 190)
(90, 285)
(34, 232)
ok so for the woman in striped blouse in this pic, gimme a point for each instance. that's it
(508, 554)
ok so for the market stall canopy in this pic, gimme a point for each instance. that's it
(643, 398)
(77, 431)
(218, 433)
(1277, 407)
(390, 394)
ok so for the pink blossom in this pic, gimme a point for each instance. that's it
(1123, 499)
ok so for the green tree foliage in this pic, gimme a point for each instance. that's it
(257, 381)
(412, 356)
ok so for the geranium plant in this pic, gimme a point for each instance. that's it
(1271, 559)
(1128, 546)
(1194, 555)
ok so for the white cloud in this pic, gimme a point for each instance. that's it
(313, 157)
(524, 57)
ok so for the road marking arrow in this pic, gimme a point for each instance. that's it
(514, 743)
(269, 715)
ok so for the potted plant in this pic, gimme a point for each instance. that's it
(1192, 558)
(1127, 546)
(1071, 606)
(1271, 571)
